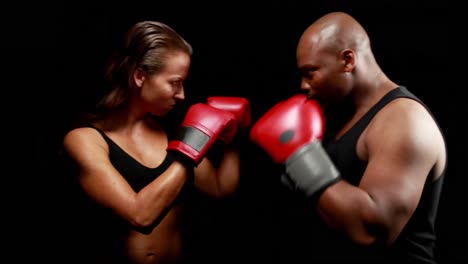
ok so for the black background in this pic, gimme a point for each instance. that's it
(240, 48)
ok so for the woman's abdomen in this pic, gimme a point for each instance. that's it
(163, 245)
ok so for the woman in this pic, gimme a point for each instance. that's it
(124, 168)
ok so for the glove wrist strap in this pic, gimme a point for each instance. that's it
(310, 169)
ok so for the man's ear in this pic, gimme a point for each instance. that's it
(139, 77)
(349, 59)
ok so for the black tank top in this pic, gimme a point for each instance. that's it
(136, 174)
(416, 243)
(99, 227)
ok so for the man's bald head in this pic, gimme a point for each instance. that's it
(334, 31)
(333, 55)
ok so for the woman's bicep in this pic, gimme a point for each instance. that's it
(96, 175)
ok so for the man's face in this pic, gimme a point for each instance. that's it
(322, 74)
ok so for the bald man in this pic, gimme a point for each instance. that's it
(371, 194)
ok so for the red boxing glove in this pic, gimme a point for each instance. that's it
(287, 126)
(201, 127)
(239, 106)
(291, 133)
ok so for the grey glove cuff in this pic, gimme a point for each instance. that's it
(310, 169)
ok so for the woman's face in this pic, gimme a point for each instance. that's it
(161, 91)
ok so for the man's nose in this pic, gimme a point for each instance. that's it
(305, 86)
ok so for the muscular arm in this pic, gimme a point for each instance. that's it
(220, 180)
(104, 184)
(401, 148)
(218, 174)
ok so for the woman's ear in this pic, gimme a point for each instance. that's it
(139, 77)
(349, 59)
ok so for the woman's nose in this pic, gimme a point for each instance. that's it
(180, 94)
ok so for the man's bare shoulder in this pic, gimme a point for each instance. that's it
(405, 122)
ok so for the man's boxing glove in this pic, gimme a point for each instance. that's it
(200, 128)
(291, 133)
(239, 106)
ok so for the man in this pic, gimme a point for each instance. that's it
(372, 190)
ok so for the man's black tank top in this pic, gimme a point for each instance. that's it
(416, 243)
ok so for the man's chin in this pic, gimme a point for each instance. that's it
(332, 101)
(324, 102)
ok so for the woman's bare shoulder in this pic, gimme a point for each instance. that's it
(82, 137)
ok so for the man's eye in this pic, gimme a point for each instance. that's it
(308, 75)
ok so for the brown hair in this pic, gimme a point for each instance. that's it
(146, 46)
